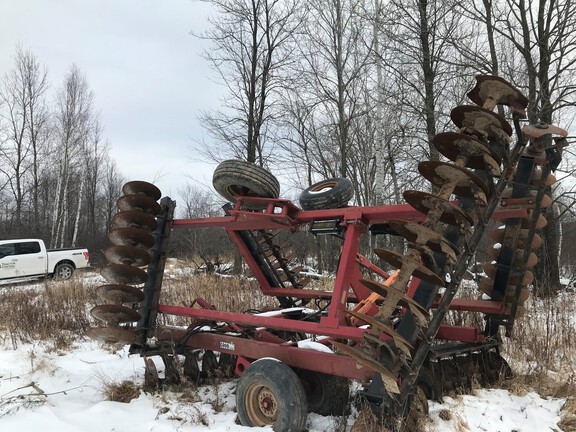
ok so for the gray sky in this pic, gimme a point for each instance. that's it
(141, 63)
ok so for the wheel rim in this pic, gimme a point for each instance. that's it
(236, 190)
(261, 405)
(323, 187)
(64, 273)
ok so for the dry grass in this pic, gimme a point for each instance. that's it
(226, 293)
(56, 312)
(121, 392)
(568, 416)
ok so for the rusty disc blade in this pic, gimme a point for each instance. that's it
(541, 222)
(485, 285)
(480, 118)
(540, 129)
(112, 335)
(426, 203)
(524, 294)
(138, 202)
(130, 255)
(134, 219)
(143, 188)
(120, 293)
(441, 173)
(527, 277)
(390, 380)
(492, 90)
(384, 290)
(479, 156)
(124, 274)
(531, 195)
(518, 259)
(536, 178)
(131, 237)
(417, 233)
(114, 314)
(499, 234)
(397, 260)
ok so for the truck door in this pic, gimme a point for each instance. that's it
(8, 260)
(31, 261)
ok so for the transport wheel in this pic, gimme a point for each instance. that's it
(330, 193)
(270, 393)
(63, 271)
(238, 177)
(326, 394)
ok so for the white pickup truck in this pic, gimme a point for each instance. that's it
(25, 259)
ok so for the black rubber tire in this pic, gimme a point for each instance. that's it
(63, 271)
(238, 177)
(270, 393)
(327, 194)
(327, 395)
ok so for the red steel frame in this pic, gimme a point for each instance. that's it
(282, 214)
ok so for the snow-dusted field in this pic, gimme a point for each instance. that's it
(49, 390)
(60, 392)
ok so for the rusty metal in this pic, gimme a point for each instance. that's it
(131, 255)
(134, 219)
(131, 237)
(112, 335)
(141, 188)
(138, 202)
(120, 293)
(124, 274)
(114, 314)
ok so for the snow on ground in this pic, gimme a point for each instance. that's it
(41, 389)
(63, 392)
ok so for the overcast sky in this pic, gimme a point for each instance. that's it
(141, 63)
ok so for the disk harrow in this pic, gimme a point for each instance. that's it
(132, 237)
(387, 330)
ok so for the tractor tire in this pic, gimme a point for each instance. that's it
(240, 178)
(63, 271)
(327, 194)
(269, 393)
(326, 394)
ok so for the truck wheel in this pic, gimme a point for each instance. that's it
(270, 393)
(63, 271)
(238, 177)
(327, 194)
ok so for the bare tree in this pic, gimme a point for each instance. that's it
(418, 54)
(250, 45)
(25, 129)
(75, 122)
(542, 33)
